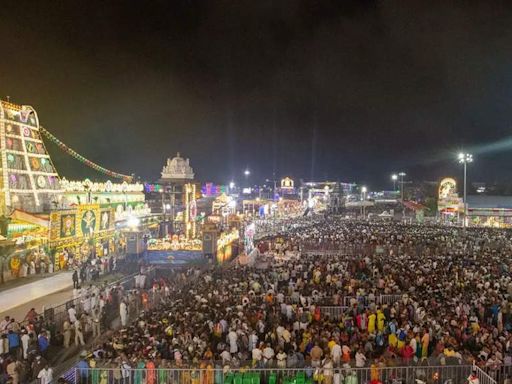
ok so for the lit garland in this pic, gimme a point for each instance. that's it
(82, 159)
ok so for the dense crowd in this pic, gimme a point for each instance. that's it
(453, 288)
(26, 344)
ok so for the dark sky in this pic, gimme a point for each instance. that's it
(325, 89)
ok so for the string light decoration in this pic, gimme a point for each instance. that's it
(83, 160)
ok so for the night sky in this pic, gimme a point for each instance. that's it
(313, 89)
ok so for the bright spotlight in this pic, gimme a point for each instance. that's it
(133, 221)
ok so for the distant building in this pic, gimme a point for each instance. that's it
(167, 192)
(490, 211)
(174, 195)
(177, 170)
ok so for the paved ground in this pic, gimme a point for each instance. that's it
(11, 282)
(47, 292)
(43, 288)
(52, 299)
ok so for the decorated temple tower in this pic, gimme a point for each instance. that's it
(29, 181)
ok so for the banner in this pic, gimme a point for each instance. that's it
(84, 221)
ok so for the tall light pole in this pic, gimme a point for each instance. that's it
(363, 198)
(402, 175)
(247, 173)
(394, 177)
(465, 158)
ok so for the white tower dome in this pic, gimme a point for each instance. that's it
(178, 168)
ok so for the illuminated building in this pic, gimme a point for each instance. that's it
(126, 199)
(174, 195)
(29, 180)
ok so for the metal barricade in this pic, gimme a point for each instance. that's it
(335, 313)
(490, 375)
(215, 374)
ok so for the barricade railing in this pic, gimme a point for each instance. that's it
(334, 312)
(59, 313)
(388, 299)
(68, 369)
(333, 248)
(418, 374)
(346, 301)
(486, 376)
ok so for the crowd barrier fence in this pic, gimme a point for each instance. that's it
(419, 374)
(59, 313)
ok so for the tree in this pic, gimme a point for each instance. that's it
(431, 204)
(7, 248)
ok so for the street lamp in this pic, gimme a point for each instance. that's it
(465, 158)
(363, 198)
(231, 185)
(247, 172)
(394, 177)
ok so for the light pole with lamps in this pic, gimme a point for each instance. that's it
(465, 158)
(247, 173)
(363, 198)
(402, 175)
(394, 177)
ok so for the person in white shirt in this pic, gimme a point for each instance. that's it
(257, 356)
(72, 314)
(336, 354)
(45, 375)
(79, 336)
(414, 345)
(281, 359)
(4, 323)
(94, 301)
(328, 370)
(253, 340)
(225, 356)
(123, 312)
(25, 340)
(86, 304)
(232, 340)
(360, 359)
(268, 355)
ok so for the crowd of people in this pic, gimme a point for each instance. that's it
(26, 344)
(453, 307)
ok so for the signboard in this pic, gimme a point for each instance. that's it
(67, 225)
(447, 188)
(84, 221)
(448, 199)
(88, 219)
